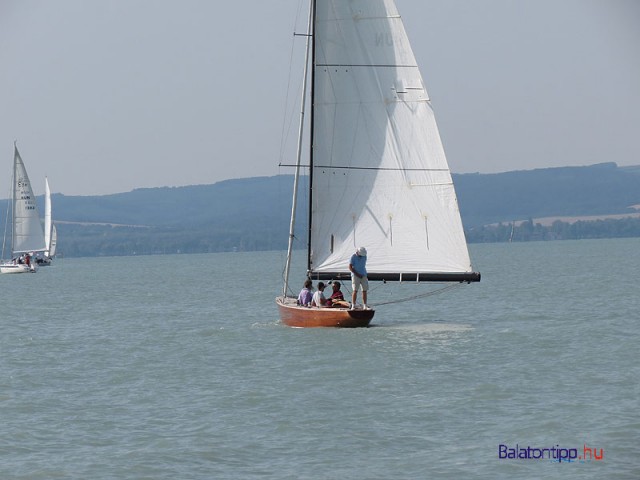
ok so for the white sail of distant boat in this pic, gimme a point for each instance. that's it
(54, 241)
(378, 175)
(47, 215)
(27, 236)
(49, 239)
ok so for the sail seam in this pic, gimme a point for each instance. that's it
(337, 167)
(364, 65)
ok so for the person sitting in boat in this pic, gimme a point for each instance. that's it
(319, 300)
(336, 299)
(306, 294)
(358, 269)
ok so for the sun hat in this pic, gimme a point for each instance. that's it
(362, 252)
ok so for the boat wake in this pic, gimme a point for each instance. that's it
(427, 328)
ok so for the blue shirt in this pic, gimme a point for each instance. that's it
(359, 264)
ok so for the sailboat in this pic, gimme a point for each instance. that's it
(27, 236)
(378, 175)
(50, 233)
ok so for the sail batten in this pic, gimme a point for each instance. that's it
(348, 167)
(363, 65)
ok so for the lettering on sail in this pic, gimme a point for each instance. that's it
(23, 184)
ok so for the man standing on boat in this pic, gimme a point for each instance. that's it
(358, 269)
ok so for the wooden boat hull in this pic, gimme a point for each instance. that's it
(293, 315)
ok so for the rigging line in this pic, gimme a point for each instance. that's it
(423, 295)
(285, 127)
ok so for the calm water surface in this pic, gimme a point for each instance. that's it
(174, 367)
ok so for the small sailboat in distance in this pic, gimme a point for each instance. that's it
(27, 236)
(378, 175)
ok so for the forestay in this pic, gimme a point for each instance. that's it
(379, 174)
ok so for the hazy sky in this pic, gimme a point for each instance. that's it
(104, 96)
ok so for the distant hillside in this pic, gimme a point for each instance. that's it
(253, 213)
(244, 214)
(228, 202)
(567, 191)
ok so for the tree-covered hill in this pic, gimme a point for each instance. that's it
(568, 191)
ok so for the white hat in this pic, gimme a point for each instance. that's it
(362, 252)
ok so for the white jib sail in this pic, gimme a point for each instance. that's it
(47, 216)
(27, 229)
(380, 176)
(54, 241)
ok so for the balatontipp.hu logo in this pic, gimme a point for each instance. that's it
(554, 454)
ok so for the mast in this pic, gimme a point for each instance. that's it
(9, 215)
(311, 134)
(296, 180)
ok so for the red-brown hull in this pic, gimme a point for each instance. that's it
(304, 317)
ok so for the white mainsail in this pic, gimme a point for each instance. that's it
(27, 230)
(379, 175)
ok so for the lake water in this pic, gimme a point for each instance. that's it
(175, 367)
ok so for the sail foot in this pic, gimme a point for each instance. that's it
(461, 277)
